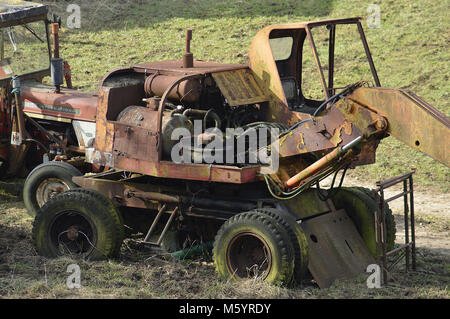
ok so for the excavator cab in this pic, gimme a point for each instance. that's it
(302, 67)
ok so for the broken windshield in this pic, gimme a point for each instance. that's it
(23, 49)
(342, 58)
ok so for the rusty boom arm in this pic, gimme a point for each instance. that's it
(409, 119)
(374, 113)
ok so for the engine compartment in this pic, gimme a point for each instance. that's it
(205, 104)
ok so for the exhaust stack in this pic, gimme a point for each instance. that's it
(57, 64)
(188, 57)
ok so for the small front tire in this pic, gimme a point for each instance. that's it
(46, 181)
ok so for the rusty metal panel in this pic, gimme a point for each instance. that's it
(139, 116)
(206, 172)
(199, 172)
(304, 139)
(336, 248)
(239, 87)
(104, 135)
(135, 142)
(410, 120)
(115, 190)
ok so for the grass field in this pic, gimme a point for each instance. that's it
(411, 50)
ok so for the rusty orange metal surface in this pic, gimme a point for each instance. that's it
(199, 172)
(134, 142)
(104, 136)
(409, 119)
(167, 169)
(128, 147)
(239, 87)
(265, 69)
(187, 91)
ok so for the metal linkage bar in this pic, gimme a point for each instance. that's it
(409, 248)
(152, 227)
(155, 222)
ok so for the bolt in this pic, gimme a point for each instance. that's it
(381, 123)
(72, 233)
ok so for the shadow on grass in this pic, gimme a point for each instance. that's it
(11, 190)
(114, 14)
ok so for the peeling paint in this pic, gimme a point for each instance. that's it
(336, 139)
(301, 142)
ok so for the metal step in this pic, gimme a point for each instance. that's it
(155, 222)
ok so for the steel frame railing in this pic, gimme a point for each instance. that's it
(408, 249)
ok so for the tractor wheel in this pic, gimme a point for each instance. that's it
(79, 224)
(106, 202)
(297, 238)
(254, 245)
(46, 181)
(390, 220)
(361, 206)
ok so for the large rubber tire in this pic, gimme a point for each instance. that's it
(390, 220)
(59, 173)
(106, 202)
(82, 223)
(297, 238)
(360, 205)
(254, 228)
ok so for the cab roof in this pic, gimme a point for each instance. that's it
(311, 24)
(14, 12)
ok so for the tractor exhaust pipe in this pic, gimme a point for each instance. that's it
(188, 57)
(57, 64)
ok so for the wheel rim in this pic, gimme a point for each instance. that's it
(249, 256)
(49, 188)
(72, 234)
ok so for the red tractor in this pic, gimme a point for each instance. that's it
(39, 123)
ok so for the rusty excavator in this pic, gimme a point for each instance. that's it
(261, 219)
